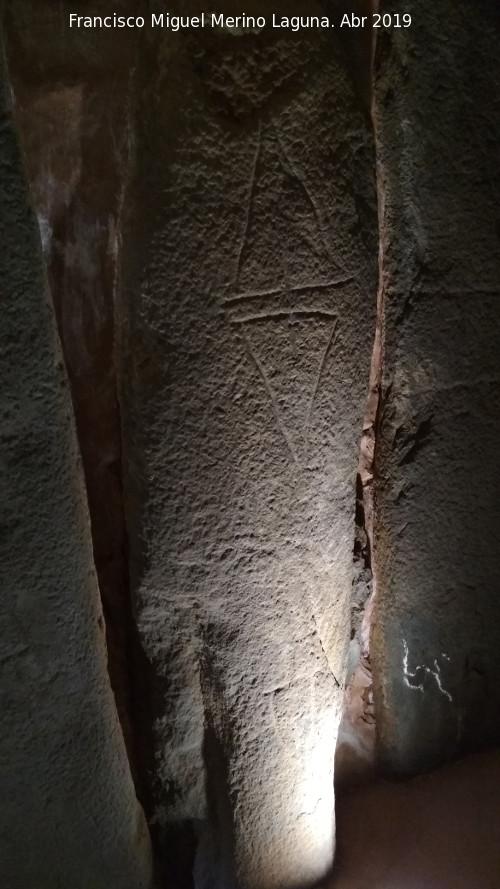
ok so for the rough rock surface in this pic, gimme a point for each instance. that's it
(249, 284)
(69, 815)
(242, 173)
(435, 652)
(71, 91)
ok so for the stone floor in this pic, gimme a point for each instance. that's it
(438, 831)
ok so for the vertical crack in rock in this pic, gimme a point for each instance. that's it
(355, 754)
(132, 672)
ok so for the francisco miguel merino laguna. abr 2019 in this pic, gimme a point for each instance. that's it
(203, 20)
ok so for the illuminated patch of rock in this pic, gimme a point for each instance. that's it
(249, 284)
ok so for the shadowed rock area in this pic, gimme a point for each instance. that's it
(207, 251)
(72, 103)
(69, 814)
(438, 831)
(435, 649)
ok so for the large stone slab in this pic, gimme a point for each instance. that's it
(435, 646)
(71, 99)
(69, 815)
(247, 321)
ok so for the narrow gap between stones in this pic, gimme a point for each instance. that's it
(355, 757)
(355, 753)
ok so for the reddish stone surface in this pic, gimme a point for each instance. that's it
(439, 831)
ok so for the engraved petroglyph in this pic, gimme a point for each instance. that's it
(293, 170)
(280, 314)
(292, 303)
(293, 288)
(303, 420)
(249, 204)
(272, 398)
(324, 359)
